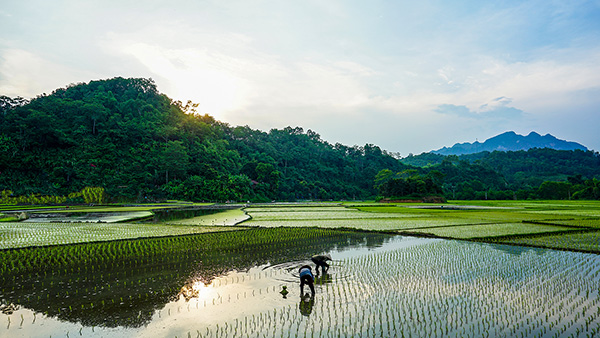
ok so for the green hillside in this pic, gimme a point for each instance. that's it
(137, 144)
(125, 136)
(532, 174)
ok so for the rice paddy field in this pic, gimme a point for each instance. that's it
(475, 269)
(17, 235)
(571, 225)
(108, 224)
(227, 218)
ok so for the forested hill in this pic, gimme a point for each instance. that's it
(139, 145)
(535, 173)
(136, 143)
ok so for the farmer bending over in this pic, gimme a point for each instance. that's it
(306, 277)
(321, 261)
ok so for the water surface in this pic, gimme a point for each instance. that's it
(377, 286)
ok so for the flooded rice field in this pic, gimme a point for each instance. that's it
(378, 286)
(112, 217)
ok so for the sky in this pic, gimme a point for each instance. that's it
(408, 76)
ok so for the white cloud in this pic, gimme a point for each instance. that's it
(547, 85)
(23, 73)
(369, 67)
(538, 87)
(230, 78)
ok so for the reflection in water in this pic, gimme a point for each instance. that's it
(8, 309)
(163, 215)
(515, 249)
(415, 287)
(124, 283)
(324, 278)
(194, 290)
(306, 304)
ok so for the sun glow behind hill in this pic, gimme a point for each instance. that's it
(198, 75)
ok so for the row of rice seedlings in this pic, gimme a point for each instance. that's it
(581, 241)
(296, 208)
(15, 235)
(584, 223)
(341, 213)
(442, 222)
(435, 283)
(514, 214)
(128, 253)
(382, 224)
(492, 230)
(569, 213)
(443, 289)
(407, 290)
(228, 217)
(69, 280)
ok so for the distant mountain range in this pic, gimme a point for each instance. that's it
(510, 141)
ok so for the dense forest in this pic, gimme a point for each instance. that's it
(123, 135)
(532, 174)
(139, 145)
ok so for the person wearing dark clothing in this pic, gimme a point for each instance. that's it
(306, 277)
(321, 261)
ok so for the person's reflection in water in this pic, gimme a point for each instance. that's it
(306, 304)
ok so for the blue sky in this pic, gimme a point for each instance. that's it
(409, 76)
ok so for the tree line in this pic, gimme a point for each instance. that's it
(532, 174)
(137, 144)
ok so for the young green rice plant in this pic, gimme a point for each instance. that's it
(434, 288)
(15, 235)
(118, 269)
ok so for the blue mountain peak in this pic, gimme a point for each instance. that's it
(511, 141)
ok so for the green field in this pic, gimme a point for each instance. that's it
(227, 284)
(571, 225)
(510, 222)
(170, 276)
(17, 235)
(491, 230)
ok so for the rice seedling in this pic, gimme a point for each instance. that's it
(95, 282)
(226, 283)
(17, 235)
(433, 288)
(492, 230)
(588, 241)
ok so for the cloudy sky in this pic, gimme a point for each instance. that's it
(409, 76)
